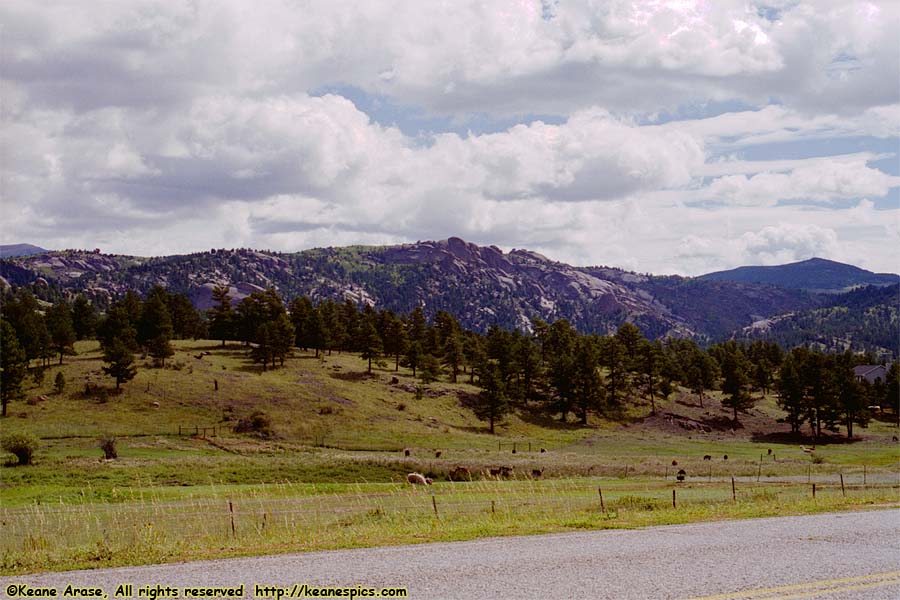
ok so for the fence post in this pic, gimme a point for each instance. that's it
(843, 492)
(864, 474)
(710, 474)
(667, 473)
(733, 491)
(673, 499)
(602, 506)
(231, 510)
(626, 472)
(434, 504)
(814, 491)
(493, 510)
(759, 470)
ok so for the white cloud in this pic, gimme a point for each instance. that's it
(154, 127)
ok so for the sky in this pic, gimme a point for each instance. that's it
(670, 137)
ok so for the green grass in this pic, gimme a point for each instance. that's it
(150, 524)
(334, 475)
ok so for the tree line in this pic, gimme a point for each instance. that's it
(553, 367)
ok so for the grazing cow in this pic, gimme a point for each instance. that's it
(543, 450)
(460, 473)
(536, 473)
(437, 454)
(406, 452)
(707, 457)
(895, 439)
(418, 479)
(674, 463)
(770, 452)
(681, 475)
(725, 457)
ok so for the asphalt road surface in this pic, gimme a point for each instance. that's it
(844, 555)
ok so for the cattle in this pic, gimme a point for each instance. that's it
(707, 457)
(418, 479)
(500, 471)
(460, 474)
(536, 473)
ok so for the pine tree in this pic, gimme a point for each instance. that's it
(62, 333)
(492, 403)
(155, 330)
(221, 316)
(430, 368)
(13, 365)
(121, 361)
(791, 398)
(84, 318)
(734, 382)
(369, 342)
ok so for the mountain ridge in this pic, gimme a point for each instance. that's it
(814, 274)
(481, 285)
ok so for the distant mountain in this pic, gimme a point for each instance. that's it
(480, 285)
(815, 274)
(12, 250)
(865, 319)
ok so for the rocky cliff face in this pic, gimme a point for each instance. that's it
(481, 285)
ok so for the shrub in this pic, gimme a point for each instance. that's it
(258, 423)
(108, 445)
(38, 376)
(60, 382)
(22, 445)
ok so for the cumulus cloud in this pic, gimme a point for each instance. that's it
(156, 127)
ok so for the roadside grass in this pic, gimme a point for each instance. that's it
(153, 525)
(333, 475)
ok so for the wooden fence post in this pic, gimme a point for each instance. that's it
(843, 491)
(231, 510)
(434, 504)
(733, 491)
(814, 491)
(673, 499)
(602, 506)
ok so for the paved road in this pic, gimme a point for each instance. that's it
(845, 555)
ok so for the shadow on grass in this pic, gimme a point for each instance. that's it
(786, 437)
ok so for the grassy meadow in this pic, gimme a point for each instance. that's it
(332, 475)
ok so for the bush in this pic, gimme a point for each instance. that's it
(59, 383)
(22, 445)
(258, 423)
(108, 445)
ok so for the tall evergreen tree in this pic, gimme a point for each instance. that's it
(84, 318)
(734, 382)
(13, 365)
(370, 345)
(791, 397)
(587, 388)
(492, 403)
(221, 316)
(121, 361)
(59, 326)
